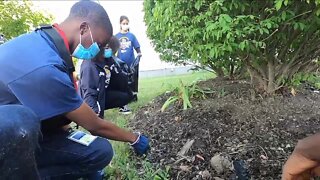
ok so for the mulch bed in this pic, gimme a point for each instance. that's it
(234, 133)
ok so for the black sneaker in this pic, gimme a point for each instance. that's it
(125, 110)
(135, 98)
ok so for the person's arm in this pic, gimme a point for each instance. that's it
(61, 98)
(304, 158)
(86, 118)
(138, 51)
(136, 45)
(89, 82)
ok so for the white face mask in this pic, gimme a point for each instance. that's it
(125, 27)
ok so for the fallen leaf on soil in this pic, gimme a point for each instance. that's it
(189, 159)
(200, 157)
(177, 118)
(185, 147)
(293, 92)
(263, 157)
(185, 168)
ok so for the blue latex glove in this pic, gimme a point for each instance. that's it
(141, 145)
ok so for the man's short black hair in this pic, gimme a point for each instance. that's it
(92, 12)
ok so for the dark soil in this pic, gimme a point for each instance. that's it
(254, 133)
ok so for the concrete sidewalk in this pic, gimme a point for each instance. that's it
(165, 72)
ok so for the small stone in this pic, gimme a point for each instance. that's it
(205, 174)
(185, 168)
(288, 146)
(177, 118)
(220, 164)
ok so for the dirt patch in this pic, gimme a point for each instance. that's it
(248, 134)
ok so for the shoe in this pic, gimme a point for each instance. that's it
(125, 110)
(135, 98)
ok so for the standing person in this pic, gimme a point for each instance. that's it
(128, 43)
(38, 78)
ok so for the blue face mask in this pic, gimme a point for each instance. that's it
(86, 53)
(107, 53)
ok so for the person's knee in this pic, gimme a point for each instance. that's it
(19, 129)
(103, 153)
(19, 123)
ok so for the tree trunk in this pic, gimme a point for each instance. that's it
(257, 80)
(271, 78)
(218, 70)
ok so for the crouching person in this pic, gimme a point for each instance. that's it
(39, 77)
(102, 83)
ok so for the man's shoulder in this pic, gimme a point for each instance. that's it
(41, 74)
(27, 54)
(48, 91)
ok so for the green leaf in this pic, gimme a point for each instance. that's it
(268, 25)
(198, 4)
(168, 102)
(318, 11)
(265, 30)
(242, 45)
(227, 18)
(284, 15)
(278, 4)
(212, 52)
(261, 31)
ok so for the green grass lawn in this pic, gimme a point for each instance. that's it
(124, 167)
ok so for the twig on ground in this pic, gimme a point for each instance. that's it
(265, 153)
(185, 148)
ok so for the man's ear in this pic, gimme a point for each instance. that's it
(84, 27)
